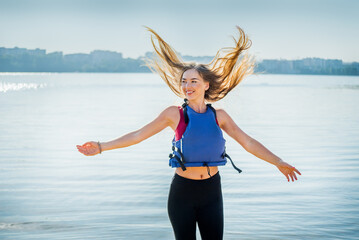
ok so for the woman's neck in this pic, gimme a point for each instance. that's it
(198, 106)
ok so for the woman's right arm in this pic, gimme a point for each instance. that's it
(166, 118)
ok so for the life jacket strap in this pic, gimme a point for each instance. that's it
(213, 110)
(234, 166)
(184, 107)
(176, 149)
(208, 170)
(178, 160)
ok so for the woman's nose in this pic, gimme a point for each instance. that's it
(187, 85)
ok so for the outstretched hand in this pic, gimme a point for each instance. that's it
(288, 170)
(89, 148)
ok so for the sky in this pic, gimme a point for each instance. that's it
(279, 29)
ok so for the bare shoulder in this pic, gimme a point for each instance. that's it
(172, 115)
(171, 111)
(220, 111)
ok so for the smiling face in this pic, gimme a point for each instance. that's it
(193, 85)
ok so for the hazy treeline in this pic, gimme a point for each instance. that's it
(23, 60)
(309, 66)
(37, 60)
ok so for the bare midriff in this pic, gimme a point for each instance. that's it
(197, 173)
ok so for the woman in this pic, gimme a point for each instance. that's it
(198, 146)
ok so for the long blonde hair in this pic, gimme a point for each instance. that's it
(227, 69)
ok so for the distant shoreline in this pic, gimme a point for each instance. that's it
(99, 61)
(49, 73)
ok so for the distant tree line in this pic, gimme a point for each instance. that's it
(37, 60)
(23, 60)
(309, 66)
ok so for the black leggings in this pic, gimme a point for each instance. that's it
(192, 201)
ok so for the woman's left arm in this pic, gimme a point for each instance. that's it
(253, 146)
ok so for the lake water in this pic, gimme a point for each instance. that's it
(48, 190)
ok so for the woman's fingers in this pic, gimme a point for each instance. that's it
(80, 148)
(294, 170)
(294, 176)
(87, 148)
(297, 171)
(83, 150)
(87, 145)
(288, 171)
(291, 176)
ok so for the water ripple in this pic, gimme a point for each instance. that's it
(6, 86)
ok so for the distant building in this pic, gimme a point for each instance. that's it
(77, 57)
(19, 51)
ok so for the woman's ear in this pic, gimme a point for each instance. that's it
(206, 86)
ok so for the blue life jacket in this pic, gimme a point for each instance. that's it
(202, 143)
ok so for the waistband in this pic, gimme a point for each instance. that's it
(216, 177)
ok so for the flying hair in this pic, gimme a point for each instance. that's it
(227, 69)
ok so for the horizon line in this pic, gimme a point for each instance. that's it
(260, 59)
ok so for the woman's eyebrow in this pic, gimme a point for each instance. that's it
(191, 78)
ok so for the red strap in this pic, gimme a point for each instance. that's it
(181, 127)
